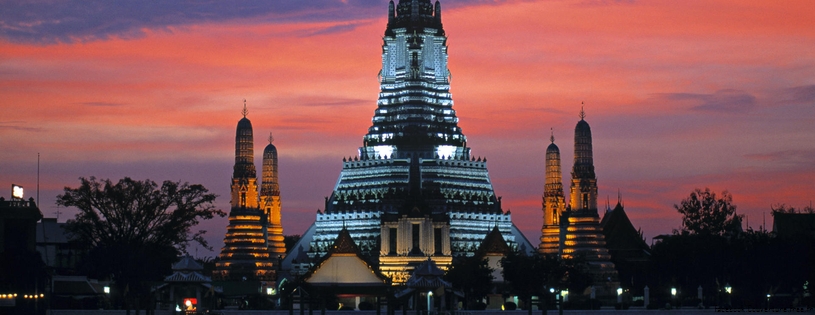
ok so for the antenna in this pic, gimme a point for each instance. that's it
(271, 139)
(552, 137)
(57, 213)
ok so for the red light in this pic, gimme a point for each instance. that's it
(189, 304)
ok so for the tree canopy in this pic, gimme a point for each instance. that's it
(533, 275)
(704, 213)
(135, 229)
(471, 275)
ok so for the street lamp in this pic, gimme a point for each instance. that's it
(620, 295)
(429, 296)
(768, 300)
(673, 294)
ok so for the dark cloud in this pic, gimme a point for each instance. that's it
(795, 157)
(82, 20)
(334, 29)
(58, 21)
(19, 126)
(730, 101)
(799, 94)
(334, 102)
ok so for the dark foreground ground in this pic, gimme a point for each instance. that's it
(608, 311)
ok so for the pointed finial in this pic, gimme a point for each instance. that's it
(608, 204)
(582, 112)
(552, 137)
(245, 111)
(271, 138)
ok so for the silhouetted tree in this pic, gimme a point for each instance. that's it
(471, 275)
(534, 275)
(290, 241)
(134, 230)
(703, 213)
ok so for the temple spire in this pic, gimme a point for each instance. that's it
(244, 111)
(582, 112)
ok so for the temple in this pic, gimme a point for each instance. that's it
(254, 236)
(574, 231)
(413, 191)
(553, 202)
(270, 201)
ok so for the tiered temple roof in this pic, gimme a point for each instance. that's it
(414, 156)
(246, 254)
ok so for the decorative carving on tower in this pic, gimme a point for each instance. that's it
(245, 254)
(583, 190)
(413, 191)
(581, 233)
(553, 201)
(270, 200)
(244, 190)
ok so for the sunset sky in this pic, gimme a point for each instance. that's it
(679, 95)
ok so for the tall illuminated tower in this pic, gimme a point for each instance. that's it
(553, 202)
(270, 201)
(583, 191)
(245, 254)
(413, 190)
(581, 235)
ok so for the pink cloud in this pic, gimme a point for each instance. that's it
(166, 103)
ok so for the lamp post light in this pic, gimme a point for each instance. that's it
(673, 295)
(729, 290)
(429, 297)
(620, 295)
(768, 300)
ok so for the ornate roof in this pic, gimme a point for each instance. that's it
(344, 244)
(244, 151)
(619, 233)
(187, 277)
(413, 14)
(427, 275)
(583, 157)
(345, 248)
(187, 270)
(494, 243)
(187, 263)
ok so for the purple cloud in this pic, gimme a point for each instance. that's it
(51, 21)
(799, 94)
(730, 101)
